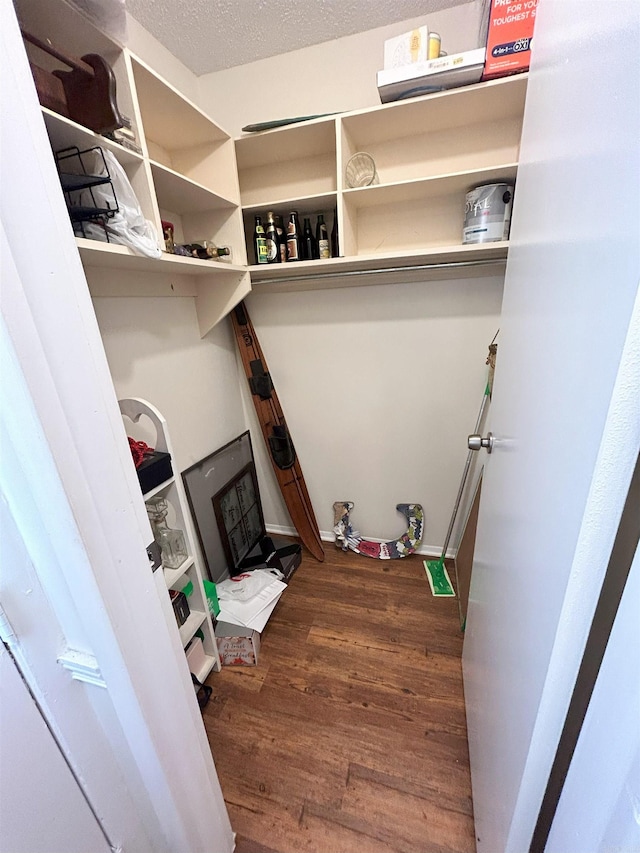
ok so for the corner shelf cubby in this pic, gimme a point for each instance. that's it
(429, 152)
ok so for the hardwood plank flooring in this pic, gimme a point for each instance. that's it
(349, 736)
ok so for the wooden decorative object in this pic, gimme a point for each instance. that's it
(284, 460)
(86, 94)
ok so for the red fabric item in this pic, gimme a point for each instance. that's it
(138, 451)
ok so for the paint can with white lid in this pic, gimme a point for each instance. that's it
(487, 213)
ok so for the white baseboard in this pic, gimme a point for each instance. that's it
(329, 536)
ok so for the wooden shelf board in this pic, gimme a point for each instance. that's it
(304, 205)
(114, 256)
(171, 120)
(195, 620)
(65, 133)
(292, 142)
(159, 488)
(172, 576)
(206, 668)
(402, 191)
(466, 106)
(182, 195)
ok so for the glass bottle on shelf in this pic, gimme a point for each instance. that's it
(206, 250)
(335, 248)
(171, 541)
(309, 245)
(293, 237)
(271, 233)
(260, 241)
(282, 239)
(322, 238)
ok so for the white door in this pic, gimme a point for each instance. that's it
(565, 411)
(42, 808)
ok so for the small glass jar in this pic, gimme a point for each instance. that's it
(171, 541)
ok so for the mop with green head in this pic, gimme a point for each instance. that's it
(437, 573)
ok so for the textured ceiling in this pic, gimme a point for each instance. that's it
(209, 35)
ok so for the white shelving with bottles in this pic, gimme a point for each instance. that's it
(429, 152)
(186, 172)
(172, 490)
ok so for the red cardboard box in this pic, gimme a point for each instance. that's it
(509, 37)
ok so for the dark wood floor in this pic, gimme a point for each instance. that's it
(350, 735)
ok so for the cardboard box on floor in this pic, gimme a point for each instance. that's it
(237, 645)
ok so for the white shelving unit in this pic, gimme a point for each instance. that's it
(133, 409)
(186, 173)
(429, 152)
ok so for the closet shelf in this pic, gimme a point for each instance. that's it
(429, 187)
(183, 195)
(170, 119)
(95, 253)
(64, 133)
(172, 576)
(303, 204)
(195, 620)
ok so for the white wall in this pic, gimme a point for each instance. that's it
(154, 351)
(336, 76)
(380, 387)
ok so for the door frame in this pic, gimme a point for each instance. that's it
(74, 497)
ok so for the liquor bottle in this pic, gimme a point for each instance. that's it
(206, 249)
(335, 248)
(171, 541)
(282, 239)
(293, 237)
(260, 242)
(273, 249)
(322, 238)
(309, 245)
(167, 233)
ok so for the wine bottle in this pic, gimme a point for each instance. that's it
(211, 250)
(335, 248)
(309, 245)
(260, 242)
(322, 238)
(293, 237)
(271, 233)
(282, 239)
(196, 251)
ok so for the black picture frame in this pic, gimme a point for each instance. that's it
(238, 513)
(202, 481)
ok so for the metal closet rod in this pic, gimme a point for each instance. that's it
(382, 270)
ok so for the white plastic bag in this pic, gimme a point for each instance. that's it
(127, 227)
(247, 585)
